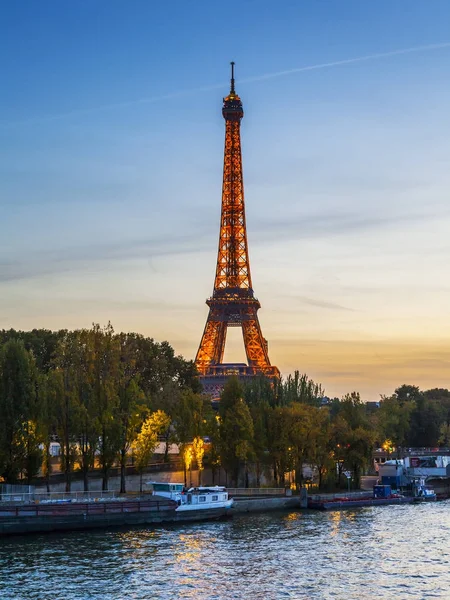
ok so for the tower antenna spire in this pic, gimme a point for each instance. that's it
(232, 78)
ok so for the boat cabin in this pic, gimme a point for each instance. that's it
(168, 490)
(212, 496)
(202, 495)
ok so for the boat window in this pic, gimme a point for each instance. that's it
(215, 498)
(161, 487)
(202, 499)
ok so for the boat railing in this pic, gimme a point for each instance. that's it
(85, 508)
(256, 491)
(66, 497)
(339, 496)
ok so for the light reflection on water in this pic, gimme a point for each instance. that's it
(399, 552)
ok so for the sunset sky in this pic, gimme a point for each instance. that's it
(111, 144)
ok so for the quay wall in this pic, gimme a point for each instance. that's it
(245, 505)
(132, 482)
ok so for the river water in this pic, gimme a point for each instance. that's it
(394, 552)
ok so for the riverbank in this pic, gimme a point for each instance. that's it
(91, 512)
(258, 504)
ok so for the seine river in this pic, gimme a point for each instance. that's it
(385, 553)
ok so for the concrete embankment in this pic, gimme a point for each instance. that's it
(264, 504)
(245, 505)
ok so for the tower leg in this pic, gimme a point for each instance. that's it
(255, 344)
(212, 345)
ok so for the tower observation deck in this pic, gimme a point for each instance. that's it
(232, 303)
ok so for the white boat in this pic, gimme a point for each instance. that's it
(211, 501)
(421, 492)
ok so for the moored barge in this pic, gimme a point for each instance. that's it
(60, 515)
(382, 495)
(35, 516)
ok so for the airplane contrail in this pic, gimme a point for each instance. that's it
(256, 78)
(346, 61)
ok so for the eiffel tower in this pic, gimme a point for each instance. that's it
(233, 303)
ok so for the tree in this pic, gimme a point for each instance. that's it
(62, 397)
(71, 386)
(168, 400)
(425, 423)
(261, 391)
(131, 414)
(279, 442)
(147, 439)
(407, 393)
(46, 424)
(79, 374)
(353, 437)
(213, 429)
(302, 418)
(28, 441)
(340, 439)
(17, 404)
(444, 438)
(260, 394)
(260, 442)
(236, 430)
(41, 343)
(106, 353)
(133, 404)
(191, 416)
(321, 450)
(299, 388)
(188, 456)
(394, 420)
(358, 452)
(198, 447)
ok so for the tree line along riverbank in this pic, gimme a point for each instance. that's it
(103, 395)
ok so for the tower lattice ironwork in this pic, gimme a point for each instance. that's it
(233, 303)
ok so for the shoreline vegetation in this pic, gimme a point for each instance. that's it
(104, 395)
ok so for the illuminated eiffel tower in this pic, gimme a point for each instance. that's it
(233, 303)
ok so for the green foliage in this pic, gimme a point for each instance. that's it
(352, 437)
(41, 343)
(412, 418)
(18, 409)
(444, 438)
(190, 416)
(299, 388)
(94, 390)
(198, 448)
(236, 429)
(394, 420)
(90, 390)
(278, 442)
(147, 439)
(407, 393)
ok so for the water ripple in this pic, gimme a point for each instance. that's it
(400, 552)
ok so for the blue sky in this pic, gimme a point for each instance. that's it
(111, 142)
